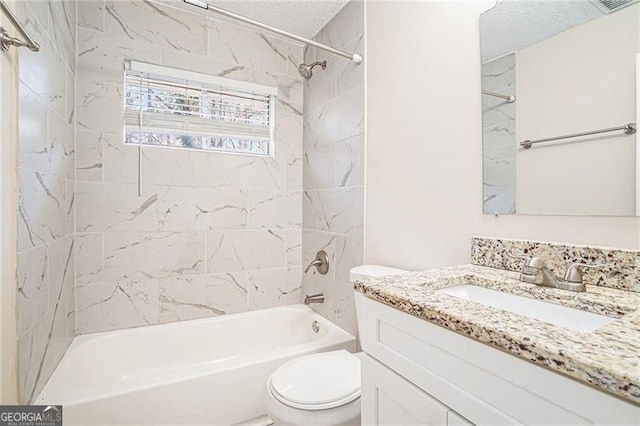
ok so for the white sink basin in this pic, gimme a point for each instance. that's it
(573, 319)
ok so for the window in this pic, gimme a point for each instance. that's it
(175, 108)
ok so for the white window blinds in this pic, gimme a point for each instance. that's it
(169, 107)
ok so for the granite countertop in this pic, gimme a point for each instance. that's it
(608, 358)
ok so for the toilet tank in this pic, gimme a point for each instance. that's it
(368, 271)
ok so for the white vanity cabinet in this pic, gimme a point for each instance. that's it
(418, 373)
(389, 399)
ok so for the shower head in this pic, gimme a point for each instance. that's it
(307, 70)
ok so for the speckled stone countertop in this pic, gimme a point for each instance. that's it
(607, 358)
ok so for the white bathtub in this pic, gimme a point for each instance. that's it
(209, 371)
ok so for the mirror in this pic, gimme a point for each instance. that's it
(559, 87)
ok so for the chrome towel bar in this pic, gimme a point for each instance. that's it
(629, 129)
(6, 41)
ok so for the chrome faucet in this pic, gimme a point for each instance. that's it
(314, 298)
(535, 270)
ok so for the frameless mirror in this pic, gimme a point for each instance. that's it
(559, 87)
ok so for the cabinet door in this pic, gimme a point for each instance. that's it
(389, 399)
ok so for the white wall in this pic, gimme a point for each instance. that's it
(424, 148)
(579, 80)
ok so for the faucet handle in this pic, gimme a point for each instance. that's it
(574, 271)
(321, 262)
(533, 261)
(513, 255)
(531, 264)
(536, 262)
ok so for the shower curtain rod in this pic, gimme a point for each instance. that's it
(354, 57)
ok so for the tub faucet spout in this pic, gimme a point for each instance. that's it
(314, 298)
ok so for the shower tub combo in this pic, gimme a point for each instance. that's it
(207, 371)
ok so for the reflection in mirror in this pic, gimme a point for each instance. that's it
(560, 75)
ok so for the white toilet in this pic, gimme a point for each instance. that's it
(320, 389)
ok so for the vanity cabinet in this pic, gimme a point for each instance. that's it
(418, 373)
(389, 399)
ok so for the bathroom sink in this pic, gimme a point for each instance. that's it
(573, 319)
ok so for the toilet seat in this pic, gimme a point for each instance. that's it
(317, 382)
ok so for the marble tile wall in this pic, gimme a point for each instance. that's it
(499, 136)
(333, 172)
(620, 268)
(46, 173)
(212, 233)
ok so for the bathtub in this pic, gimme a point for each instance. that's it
(207, 371)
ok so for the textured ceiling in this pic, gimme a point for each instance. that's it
(301, 17)
(515, 24)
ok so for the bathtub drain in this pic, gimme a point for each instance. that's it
(315, 326)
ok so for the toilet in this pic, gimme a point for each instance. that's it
(321, 389)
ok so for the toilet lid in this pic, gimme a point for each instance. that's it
(369, 271)
(317, 382)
